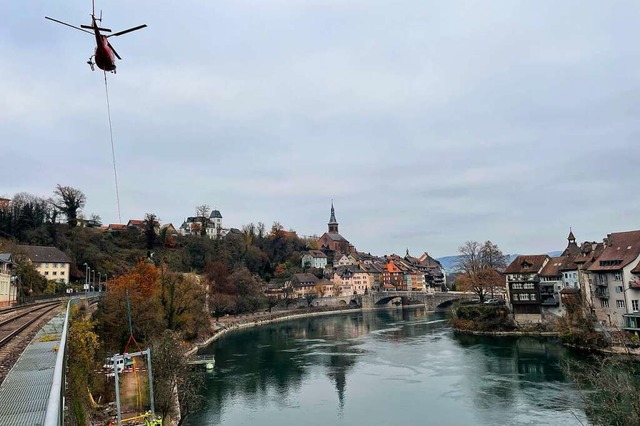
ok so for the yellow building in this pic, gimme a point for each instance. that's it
(50, 262)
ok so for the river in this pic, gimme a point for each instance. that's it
(385, 367)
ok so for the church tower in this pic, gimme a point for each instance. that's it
(333, 223)
(572, 247)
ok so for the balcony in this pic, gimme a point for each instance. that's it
(634, 284)
(602, 293)
(548, 301)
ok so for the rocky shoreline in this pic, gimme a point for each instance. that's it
(516, 333)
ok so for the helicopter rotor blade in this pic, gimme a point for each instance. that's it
(90, 27)
(139, 27)
(114, 51)
(68, 25)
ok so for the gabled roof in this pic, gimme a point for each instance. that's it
(117, 227)
(371, 268)
(336, 237)
(552, 268)
(215, 214)
(5, 258)
(346, 270)
(301, 280)
(621, 249)
(391, 267)
(428, 261)
(44, 254)
(135, 222)
(317, 254)
(526, 264)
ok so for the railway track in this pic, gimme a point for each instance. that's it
(17, 330)
(11, 327)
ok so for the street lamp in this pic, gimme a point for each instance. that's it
(86, 276)
(18, 283)
(99, 279)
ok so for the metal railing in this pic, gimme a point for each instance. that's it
(55, 405)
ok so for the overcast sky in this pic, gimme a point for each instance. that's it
(428, 123)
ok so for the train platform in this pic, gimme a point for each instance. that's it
(25, 391)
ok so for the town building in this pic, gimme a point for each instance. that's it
(314, 259)
(614, 274)
(50, 262)
(523, 287)
(303, 284)
(352, 279)
(171, 230)
(434, 276)
(331, 241)
(8, 291)
(192, 225)
(392, 277)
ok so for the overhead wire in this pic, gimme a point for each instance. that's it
(113, 151)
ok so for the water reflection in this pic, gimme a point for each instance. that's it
(382, 367)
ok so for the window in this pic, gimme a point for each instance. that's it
(617, 276)
(604, 303)
(524, 296)
(516, 297)
(620, 304)
(55, 272)
(619, 289)
(61, 272)
(532, 296)
(528, 286)
(517, 286)
(634, 305)
(46, 272)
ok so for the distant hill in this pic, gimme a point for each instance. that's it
(449, 262)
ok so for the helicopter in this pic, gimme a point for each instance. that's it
(105, 55)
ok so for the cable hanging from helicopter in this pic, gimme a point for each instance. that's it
(105, 58)
(105, 55)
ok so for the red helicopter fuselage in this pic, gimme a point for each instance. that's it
(104, 57)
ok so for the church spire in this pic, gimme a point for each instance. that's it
(572, 247)
(333, 223)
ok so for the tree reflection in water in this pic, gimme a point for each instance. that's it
(351, 368)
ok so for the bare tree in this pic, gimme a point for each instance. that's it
(492, 257)
(479, 265)
(609, 387)
(172, 373)
(470, 258)
(202, 213)
(69, 201)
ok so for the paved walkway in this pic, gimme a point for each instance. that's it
(25, 392)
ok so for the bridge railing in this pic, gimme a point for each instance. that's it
(55, 405)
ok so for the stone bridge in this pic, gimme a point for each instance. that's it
(432, 301)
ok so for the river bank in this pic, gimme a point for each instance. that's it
(515, 333)
(229, 324)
